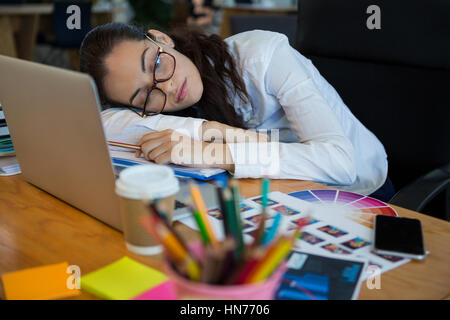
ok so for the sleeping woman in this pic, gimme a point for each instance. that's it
(250, 104)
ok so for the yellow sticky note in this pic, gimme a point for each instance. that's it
(122, 280)
(47, 282)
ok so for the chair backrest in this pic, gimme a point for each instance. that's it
(282, 23)
(395, 79)
(63, 16)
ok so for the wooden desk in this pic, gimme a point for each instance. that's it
(245, 9)
(20, 23)
(37, 229)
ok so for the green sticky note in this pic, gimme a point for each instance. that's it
(122, 280)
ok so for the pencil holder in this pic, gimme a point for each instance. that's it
(187, 289)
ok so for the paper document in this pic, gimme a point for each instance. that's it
(329, 230)
(9, 166)
(127, 159)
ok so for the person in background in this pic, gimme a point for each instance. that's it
(203, 15)
(252, 81)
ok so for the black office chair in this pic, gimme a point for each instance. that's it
(396, 80)
(282, 23)
(70, 39)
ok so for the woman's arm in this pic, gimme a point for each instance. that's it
(169, 146)
(123, 125)
(214, 131)
(324, 153)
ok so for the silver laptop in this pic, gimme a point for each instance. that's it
(53, 116)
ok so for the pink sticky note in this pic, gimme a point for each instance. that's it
(163, 291)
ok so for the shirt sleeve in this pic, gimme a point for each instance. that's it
(324, 153)
(123, 125)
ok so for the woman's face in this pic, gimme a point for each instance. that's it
(129, 75)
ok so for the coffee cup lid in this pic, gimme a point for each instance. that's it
(150, 181)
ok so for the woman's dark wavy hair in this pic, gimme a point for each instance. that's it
(221, 80)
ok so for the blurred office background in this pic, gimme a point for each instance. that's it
(395, 80)
(36, 30)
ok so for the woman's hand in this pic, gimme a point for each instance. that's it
(169, 146)
(218, 132)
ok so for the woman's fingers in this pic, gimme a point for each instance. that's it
(151, 145)
(164, 158)
(158, 146)
(153, 154)
(151, 141)
(154, 135)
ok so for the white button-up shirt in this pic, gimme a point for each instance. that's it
(319, 139)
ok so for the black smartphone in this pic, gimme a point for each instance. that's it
(399, 237)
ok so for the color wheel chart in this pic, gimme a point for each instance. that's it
(345, 199)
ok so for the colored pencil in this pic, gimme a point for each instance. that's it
(201, 207)
(228, 263)
(198, 220)
(163, 218)
(265, 265)
(265, 191)
(173, 244)
(232, 224)
(270, 234)
(264, 199)
(262, 254)
(201, 227)
(239, 236)
(148, 222)
(223, 210)
(176, 250)
(264, 269)
(213, 258)
(250, 265)
(260, 230)
(124, 145)
(229, 211)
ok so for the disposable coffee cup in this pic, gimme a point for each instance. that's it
(137, 187)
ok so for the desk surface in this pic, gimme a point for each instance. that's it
(37, 229)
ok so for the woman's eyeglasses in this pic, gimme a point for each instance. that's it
(163, 70)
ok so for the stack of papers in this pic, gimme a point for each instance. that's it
(6, 146)
(9, 166)
(341, 234)
(127, 159)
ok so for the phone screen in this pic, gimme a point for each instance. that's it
(399, 235)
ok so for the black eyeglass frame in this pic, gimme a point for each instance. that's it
(144, 114)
